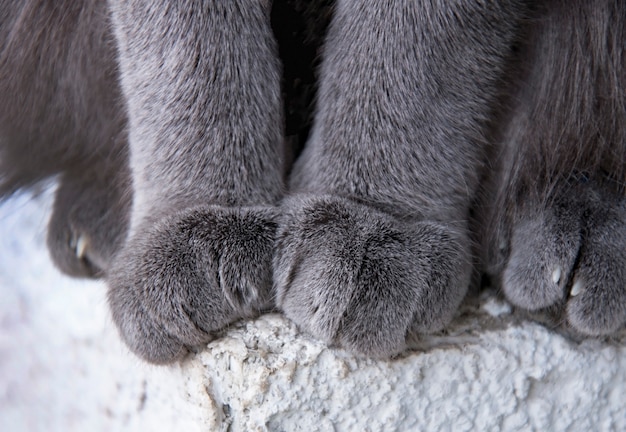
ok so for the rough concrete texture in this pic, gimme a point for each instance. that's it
(62, 367)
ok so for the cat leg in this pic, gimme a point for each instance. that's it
(374, 244)
(62, 115)
(561, 201)
(202, 81)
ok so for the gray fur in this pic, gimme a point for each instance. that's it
(191, 274)
(558, 205)
(400, 129)
(441, 128)
(62, 113)
(363, 279)
(202, 85)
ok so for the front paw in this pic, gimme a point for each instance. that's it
(178, 282)
(362, 279)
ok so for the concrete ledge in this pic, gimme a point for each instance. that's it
(62, 367)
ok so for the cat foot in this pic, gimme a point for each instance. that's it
(88, 226)
(364, 280)
(177, 282)
(571, 257)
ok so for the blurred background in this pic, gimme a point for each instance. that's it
(62, 366)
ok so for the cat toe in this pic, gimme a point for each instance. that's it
(597, 300)
(87, 227)
(143, 335)
(544, 248)
(72, 253)
(363, 280)
(189, 276)
(80, 243)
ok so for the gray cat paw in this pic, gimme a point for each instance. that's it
(88, 225)
(571, 257)
(179, 281)
(359, 278)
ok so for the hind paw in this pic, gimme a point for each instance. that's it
(571, 257)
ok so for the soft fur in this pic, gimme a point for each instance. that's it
(448, 139)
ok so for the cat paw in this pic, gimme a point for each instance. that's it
(177, 282)
(364, 280)
(570, 258)
(88, 225)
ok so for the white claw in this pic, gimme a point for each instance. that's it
(556, 275)
(81, 246)
(577, 288)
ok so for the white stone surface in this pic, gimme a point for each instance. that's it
(62, 367)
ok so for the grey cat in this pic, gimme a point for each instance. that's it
(449, 139)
